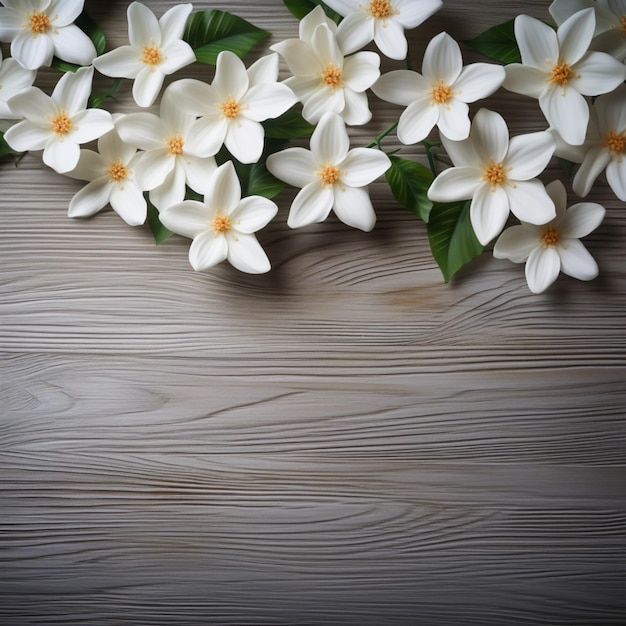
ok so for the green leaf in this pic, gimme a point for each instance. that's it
(159, 232)
(95, 100)
(409, 182)
(212, 31)
(301, 8)
(498, 43)
(5, 149)
(87, 25)
(289, 125)
(566, 166)
(451, 237)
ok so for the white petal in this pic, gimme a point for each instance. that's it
(560, 10)
(594, 162)
(34, 105)
(575, 34)
(461, 153)
(178, 54)
(143, 26)
(171, 191)
(361, 70)
(198, 171)
(189, 218)
(90, 199)
(90, 166)
(363, 166)
(206, 136)
(453, 120)
(244, 140)
(73, 45)
(144, 130)
(567, 111)
(330, 142)
(207, 249)
(325, 46)
(401, 87)
(61, 156)
(417, 120)
(478, 81)
(542, 268)
(299, 56)
(616, 177)
(525, 80)
(246, 254)
(129, 203)
(25, 136)
(224, 194)
(389, 37)
(10, 23)
(488, 212)
(490, 136)
(295, 166)
(354, 208)
(455, 183)
(231, 78)
(172, 23)
(529, 202)
(537, 42)
(111, 147)
(91, 124)
(529, 155)
(65, 11)
(312, 204)
(598, 73)
(32, 52)
(152, 168)
(558, 194)
(516, 244)
(611, 109)
(576, 260)
(355, 32)
(313, 19)
(123, 62)
(356, 111)
(252, 214)
(194, 97)
(323, 100)
(73, 89)
(581, 219)
(411, 14)
(264, 70)
(442, 60)
(147, 85)
(263, 102)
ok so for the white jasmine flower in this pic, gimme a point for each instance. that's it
(14, 78)
(40, 29)
(497, 174)
(156, 50)
(223, 226)
(169, 162)
(610, 32)
(58, 124)
(323, 79)
(553, 247)
(606, 145)
(384, 21)
(557, 69)
(331, 176)
(439, 96)
(111, 176)
(232, 108)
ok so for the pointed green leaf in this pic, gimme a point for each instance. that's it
(95, 100)
(301, 8)
(87, 25)
(498, 43)
(5, 149)
(159, 232)
(409, 182)
(212, 31)
(451, 237)
(289, 125)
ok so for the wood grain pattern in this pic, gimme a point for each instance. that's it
(343, 441)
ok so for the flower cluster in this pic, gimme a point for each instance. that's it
(209, 163)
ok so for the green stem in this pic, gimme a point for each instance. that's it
(429, 155)
(379, 138)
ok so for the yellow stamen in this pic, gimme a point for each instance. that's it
(38, 22)
(221, 223)
(230, 108)
(61, 124)
(561, 74)
(332, 76)
(441, 93)
(329, 175)
(494, 174)
(151, 55)
(175, 145)
(117, 171)
(616, 142)
(380, 9)
(550, 236)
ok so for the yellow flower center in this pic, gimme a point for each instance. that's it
(175, 145)
(380, 9)
(117, 171)
(230, 108)
(441, 93)
(331, 76)
(61, 124)
(38, 22)
(616, 142)
(494, 174)
(151, 55)
(561, 74)
(329, 175)
(623, 21)
(550, 236)
(221, 223)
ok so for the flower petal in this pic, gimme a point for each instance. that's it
(542, 268)
(206, 136)
(330, 142)
(189, 218)
(581, 219)
(144, 130)
(25, 136)
(299, 57)
(353, 207)
(490, 136)
(179, 54)
(153, 167)
(90, 199)
(267, 101)
(361, 70)
(567, 111)
(417, 120)
(224, 194)
(194, 97)
(90, 166)
(462, 153)
(244, 139)
(32, 52)
(529, 155)
(295, 166)
(529, 202)
(442, 60)
(525, 80)
(147, 85)
(123, 62)
(171, 191)
(10, 23)
(198, 171)
(355, 31)
(616, 177)
(312, 204)
(538, 43)
(73, 45)
(598, 73)
(129, 203)
(91, 124)
(401, 87)
(61, 156)
(34, 105)
(172, 23)
(594, 162)
(231, 79)
(478, 81)
(143, 26)
(73, 89)
(252, 214)
(455, 183)
(207, 249)
(323, 100)
(264, 70)
(65, 11)
(575, 34)
(363, 166)
(488, 212)
(356, 111)
(246, 254)
(576, 261)
(390, 39)
(516, 243)
(411, 14)
(453, 120)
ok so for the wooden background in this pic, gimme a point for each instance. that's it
(345, 440)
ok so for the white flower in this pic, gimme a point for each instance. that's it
(57, 124)
(553, 247)
(441, 94)
(606, 145)
(384, 21)
(14, 78)
(111, 176)
(40, 29)
(497, 174)
(232, 108)
(156, 50)
(610, 32)
(323, 79)
(223, 226)
(169, 162)
(557, 69)
(331, 176)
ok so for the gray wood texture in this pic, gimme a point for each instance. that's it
(346, 440)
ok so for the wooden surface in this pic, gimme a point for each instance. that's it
(346, 440)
